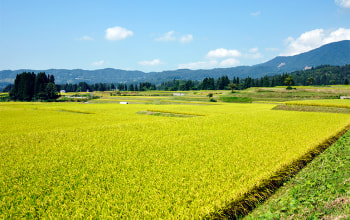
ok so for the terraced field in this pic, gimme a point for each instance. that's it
(337, 103)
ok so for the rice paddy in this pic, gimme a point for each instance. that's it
(103, 160)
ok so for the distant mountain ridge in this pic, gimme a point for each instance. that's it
(337, 53)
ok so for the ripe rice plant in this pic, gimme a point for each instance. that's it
(118, 164)
(338, 103)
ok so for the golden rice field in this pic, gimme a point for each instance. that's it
(72, 160)
(338, 103)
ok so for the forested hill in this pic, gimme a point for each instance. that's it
(336, 54)
(322, 75)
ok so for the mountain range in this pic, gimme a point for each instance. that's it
(337, 53)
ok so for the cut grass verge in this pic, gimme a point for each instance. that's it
(320, 191)
(248, 201)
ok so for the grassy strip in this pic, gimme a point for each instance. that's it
(236, 99)
(320, 191)
(312, 109)
(250, 200)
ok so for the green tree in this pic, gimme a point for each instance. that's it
(131, 87)
(289, 81)
(310, 80)
(83, 86)
(273, 84)
(51, 91)
(332, 82)
(41, 81)
(51, 79)
(23, 89)
(232, 86)
(266, 82)
(28, 87)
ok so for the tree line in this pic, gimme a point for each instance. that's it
(319, 76)
(85, 87)
(31, 87)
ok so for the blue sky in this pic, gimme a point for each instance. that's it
(163, 35)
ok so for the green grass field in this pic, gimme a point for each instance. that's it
(74, 160)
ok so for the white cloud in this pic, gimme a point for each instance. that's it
(118, 33)
(150, 63)
(98, 63)
(343, 3)
(338, 35)
(215, 58)
(253, 53)
(199, 65)
(229, 62)
(210, 64)
(186, 38)
(257, 13)
(253, 50)
(86, 38)
(221, 53)
(314, 39)
(169, 36)
(272, 49)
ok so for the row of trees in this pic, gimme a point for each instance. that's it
(83, 87)
(322, 75)
(142, 86)
(29, 86)
(222, 83)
